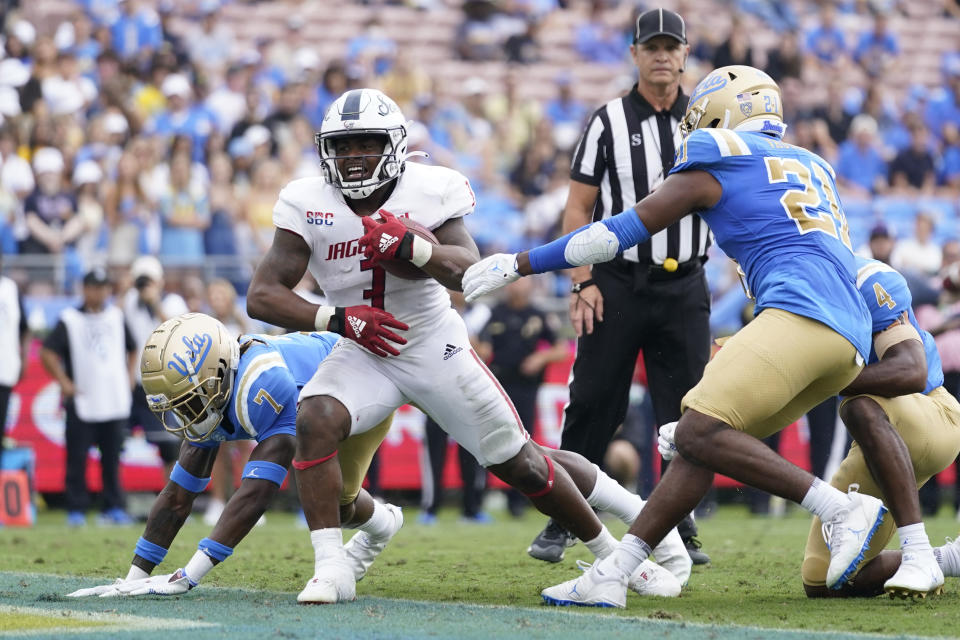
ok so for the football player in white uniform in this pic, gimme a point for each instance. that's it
(343, 226)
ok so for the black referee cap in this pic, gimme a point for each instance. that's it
(659, 22)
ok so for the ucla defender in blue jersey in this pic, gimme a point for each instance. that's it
(900, 386)
(772, 207)
(209, 388)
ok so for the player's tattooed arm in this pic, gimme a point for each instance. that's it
(270, 297)
(455, 253)
(173, 505)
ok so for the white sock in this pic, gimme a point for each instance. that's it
(625, 559)
(824, 501)
(136, 573)
(913, 537)
(380, 524)
(609, 496)
(603, 545)
(327, 543)
(948, 557)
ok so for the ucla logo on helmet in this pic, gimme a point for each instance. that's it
(713, 82)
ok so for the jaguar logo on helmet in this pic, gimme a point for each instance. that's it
(363, 112)
(188, 367)
(736, 97)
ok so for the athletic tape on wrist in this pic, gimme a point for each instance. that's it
(263, 470)
(422, 250)
(214, 549)
(149, 551)
(187, 480)
(549, 486)
(322, 319)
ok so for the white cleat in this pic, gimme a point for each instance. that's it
(848, 535)
(362, 549)
(332, 583)
(919, 575)
(671, 554)
(654, 580)
(590, 589)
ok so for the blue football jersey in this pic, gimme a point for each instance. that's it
(887, 296)
(780, 218)
(272, 371)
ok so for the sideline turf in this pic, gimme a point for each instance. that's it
(754, 581)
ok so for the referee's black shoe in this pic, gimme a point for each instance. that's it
(551, 543)
(693, 550)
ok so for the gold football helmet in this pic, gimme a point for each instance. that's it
(736, 97)
(188, 367)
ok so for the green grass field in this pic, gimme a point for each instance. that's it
(753, 581)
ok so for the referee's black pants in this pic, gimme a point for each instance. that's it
(665, 315)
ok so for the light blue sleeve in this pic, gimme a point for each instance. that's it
(698, 151)
(887, 296)
(268, 403)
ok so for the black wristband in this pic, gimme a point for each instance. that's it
(580, 286)
(405, 249)
(338, 321)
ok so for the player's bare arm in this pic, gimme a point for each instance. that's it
(270, 297)
(901, 370)
(254, 496)
(454, 255)
(173, 505)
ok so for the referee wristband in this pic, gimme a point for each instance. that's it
(580, 286)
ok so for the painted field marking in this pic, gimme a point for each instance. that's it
(89, 621)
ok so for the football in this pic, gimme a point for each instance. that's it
(404, 268)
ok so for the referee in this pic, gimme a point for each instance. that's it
(654, 298)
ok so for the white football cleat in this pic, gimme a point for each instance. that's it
(591, 589)
(362, 549)
(653, 580)
(848, 535)
(919, 575)
(671, 554)
(333, 582)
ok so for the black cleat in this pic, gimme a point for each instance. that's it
(551, 543)
(693, 549)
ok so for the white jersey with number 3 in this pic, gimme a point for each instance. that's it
(317, 212)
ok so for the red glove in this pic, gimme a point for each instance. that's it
(386, 240)
(367, 326)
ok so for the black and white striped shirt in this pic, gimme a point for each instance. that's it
(627, 151)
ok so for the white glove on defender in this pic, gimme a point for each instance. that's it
(98, 590)
(172, 584)
(665, 441)
(489, 274)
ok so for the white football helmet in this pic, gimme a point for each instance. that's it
(363, 112)
(736, 97)
(188, 367)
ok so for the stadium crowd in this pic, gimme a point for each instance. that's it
(130, 127)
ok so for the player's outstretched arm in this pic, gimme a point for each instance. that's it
(190, 476)
(262, 477)
(680, 194)
(901, 370)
